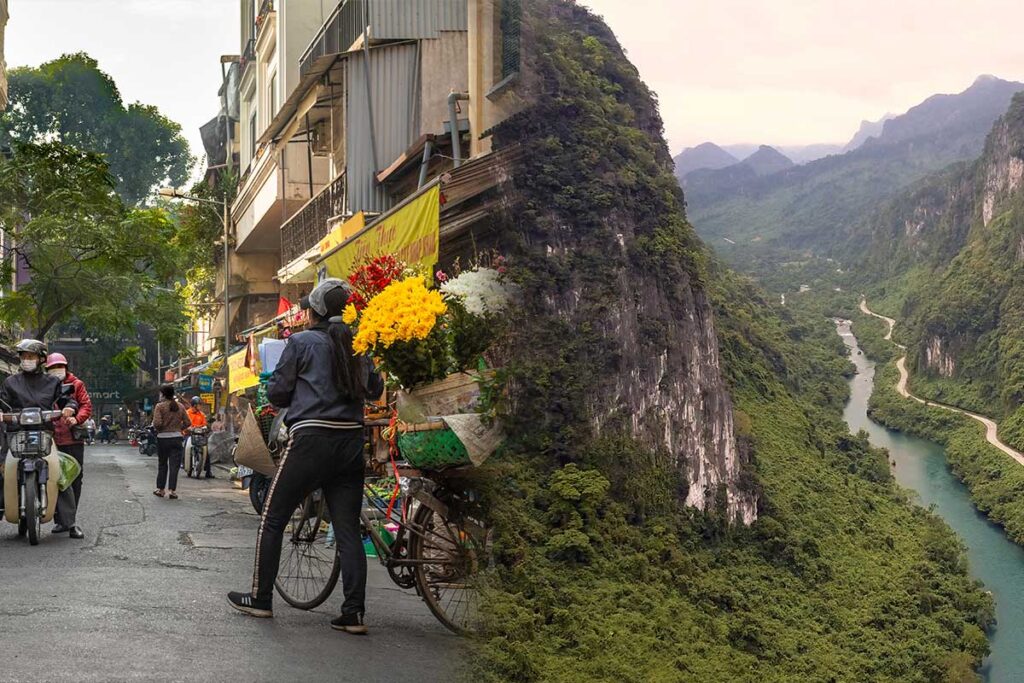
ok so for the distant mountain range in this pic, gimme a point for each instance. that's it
(708, 155)
(819, 205)
(868, 129)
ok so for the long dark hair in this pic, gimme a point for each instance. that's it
(167, 391)
(349, 369)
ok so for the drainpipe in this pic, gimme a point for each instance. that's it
(453, 116)
(428, 151)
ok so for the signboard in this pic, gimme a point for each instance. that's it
(205, 383)
(342, 232)
(207, 399)
(241, 377)
(412, 233)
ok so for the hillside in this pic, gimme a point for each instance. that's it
(639, 363)
(707, 155)
(820, 205)
(868, 129)
(957, 243)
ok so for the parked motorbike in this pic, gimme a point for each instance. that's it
(147, 442)
(196, 457)
(31, 471)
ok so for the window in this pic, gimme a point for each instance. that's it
(511, 21)
(273, 95)
(252, 134)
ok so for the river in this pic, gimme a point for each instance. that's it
(994, 559)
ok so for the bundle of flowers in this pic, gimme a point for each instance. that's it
(476, 299)
(373, 277)
(482, 291)
(403, 328)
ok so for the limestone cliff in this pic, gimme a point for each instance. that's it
(621, 338)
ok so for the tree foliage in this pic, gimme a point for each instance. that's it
(87, 256)
(70, 100)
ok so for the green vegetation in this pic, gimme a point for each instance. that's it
(601, 574)
(995, 481)
(87, 256)
(71, 101)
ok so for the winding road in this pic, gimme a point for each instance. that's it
(991, 428)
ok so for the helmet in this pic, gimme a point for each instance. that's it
(324, 298)
(31, 346)
(196, 400)
(55, 359)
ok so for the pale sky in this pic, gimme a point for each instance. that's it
(730, 71)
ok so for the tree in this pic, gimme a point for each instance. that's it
(83, 254)
(70, 100)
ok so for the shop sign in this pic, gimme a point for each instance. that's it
(412, 233)
(240, 376)
(205, 383)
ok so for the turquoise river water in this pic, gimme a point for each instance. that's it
(994, 559)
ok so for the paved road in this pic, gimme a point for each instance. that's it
(991, 428)
(143, 597)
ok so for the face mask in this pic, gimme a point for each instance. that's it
(29, 365)
(59, 373)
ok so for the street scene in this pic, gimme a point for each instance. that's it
(141, 597)
(512, 341)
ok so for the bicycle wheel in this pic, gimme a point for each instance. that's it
(32, 507)
(308, 570)
(448, 557)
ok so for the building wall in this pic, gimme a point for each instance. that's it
(488, 105)
(443, 71)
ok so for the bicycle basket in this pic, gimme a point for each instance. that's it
(200, 439)
(433, 450)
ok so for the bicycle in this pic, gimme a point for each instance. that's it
(439, 548)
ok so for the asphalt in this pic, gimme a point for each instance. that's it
(143, 597)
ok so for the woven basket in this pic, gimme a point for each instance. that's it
(434, 450)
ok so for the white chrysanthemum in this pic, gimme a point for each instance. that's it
(480, 291)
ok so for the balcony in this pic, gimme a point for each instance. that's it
(249, 53)
(308, 226)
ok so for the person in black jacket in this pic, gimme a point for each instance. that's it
(34, 388)
(324, 386)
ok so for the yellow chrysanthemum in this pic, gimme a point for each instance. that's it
(350, 314)
(404, 311)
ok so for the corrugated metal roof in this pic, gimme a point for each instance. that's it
(392, 70)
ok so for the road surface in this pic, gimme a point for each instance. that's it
(991, 428)
(142, 598)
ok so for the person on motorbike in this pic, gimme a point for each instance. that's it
(90, 427)
(324, 385)
(33, 388)
(198, 419)
(66, 431)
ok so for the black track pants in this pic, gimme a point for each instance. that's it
(168, 451)
(331, 459)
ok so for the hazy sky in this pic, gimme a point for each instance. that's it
(779, 71)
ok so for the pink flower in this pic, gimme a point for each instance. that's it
(441, 277)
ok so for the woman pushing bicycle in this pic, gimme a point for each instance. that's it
(324, 386)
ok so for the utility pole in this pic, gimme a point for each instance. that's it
(227, 314)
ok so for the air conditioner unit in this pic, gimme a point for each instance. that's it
(320, 138)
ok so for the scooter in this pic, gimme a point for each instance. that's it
(196, 457)
(147, 442)
(31, 471)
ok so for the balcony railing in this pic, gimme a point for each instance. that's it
(266, 8)
(249, 54)
(308, 226)
(345, 25)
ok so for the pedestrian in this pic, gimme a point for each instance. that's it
(197, 418)
(105, 429)
(33, 388)
(90, 428)
(324, 386)
(170, 422)
(69, 433)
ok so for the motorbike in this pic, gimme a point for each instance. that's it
(147, 441)
(31, 471)
(195, 459)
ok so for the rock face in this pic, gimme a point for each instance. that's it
(620, 339)
(964, 228)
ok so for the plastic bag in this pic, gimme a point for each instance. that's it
(69, 471)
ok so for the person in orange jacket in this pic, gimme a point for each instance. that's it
(198, 419)
(68, 432)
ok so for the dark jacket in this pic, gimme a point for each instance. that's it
(35, 390)
(303, 382)
(75, 388)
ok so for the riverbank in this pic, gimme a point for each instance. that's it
(994, 479)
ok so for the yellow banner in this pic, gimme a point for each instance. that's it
(412, 233)
(343, 232)
(240, 377)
